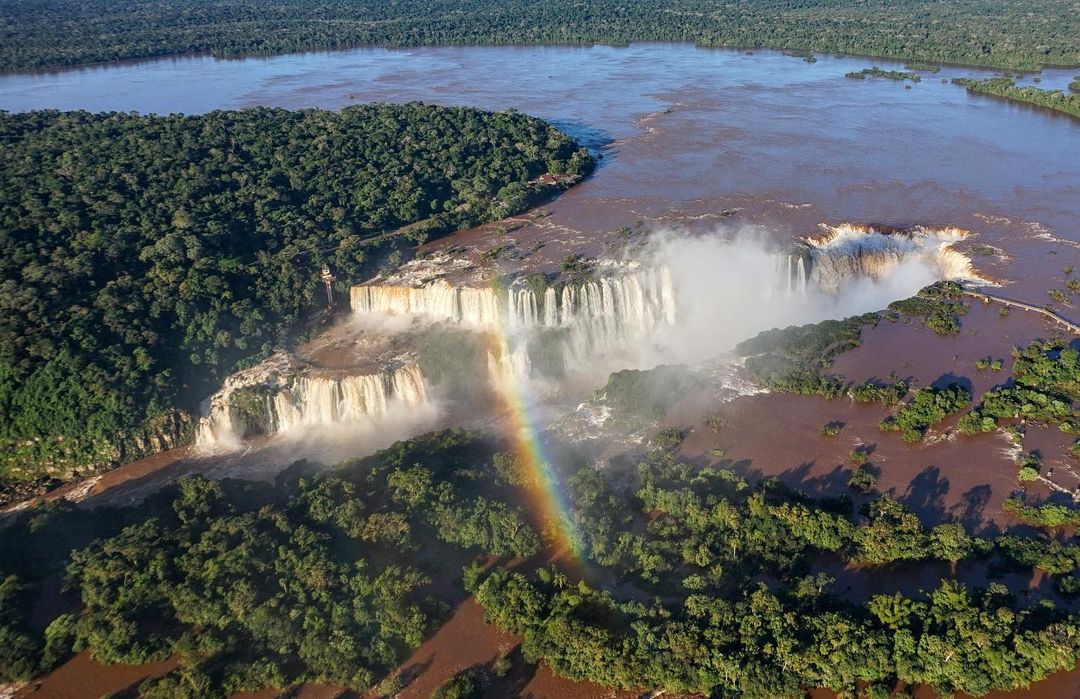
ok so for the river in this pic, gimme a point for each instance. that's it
(687, 132)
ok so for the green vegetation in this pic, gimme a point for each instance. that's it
(831, 429)
(637, 397)
(463, 685)
(790, 359)
(859, 455)
(1047, 376)
(317, 579)
(144, 256)
(336, 578)
(1074, 84)
(938, 305)
(989, 363)
(873, 392)
(1045, 515)
(1057, 100)
(705, 618)
(862, 479)
(927, 407)
(978, 32)
(879, 73)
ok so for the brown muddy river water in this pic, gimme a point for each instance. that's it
(708, 139)
(688, 132)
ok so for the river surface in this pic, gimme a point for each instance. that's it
(688, 132)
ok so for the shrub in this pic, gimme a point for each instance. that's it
(463, 685)
(927, 407)
(1027, 474)
(831, 429)
(872, 392)
(862, 479)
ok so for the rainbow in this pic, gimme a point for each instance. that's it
(550, 503)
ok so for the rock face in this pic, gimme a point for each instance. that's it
(281, 394)
(173, 429)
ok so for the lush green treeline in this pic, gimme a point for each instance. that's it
(335, 577)
(1067, 102)
(1003, 33)
(322, 578)
(725, 596)
(876, 72)
(145, 255)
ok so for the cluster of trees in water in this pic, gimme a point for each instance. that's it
(1067, 102)
(1044, 386)
(335, 577)
(144, 256)
(876, 72)
(725, 594)
(980, 32)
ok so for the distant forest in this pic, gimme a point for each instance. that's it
(144, 256)
(1002, 33)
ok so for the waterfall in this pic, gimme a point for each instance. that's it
(592, 317)
(259, 403)
(438, 301)
(313, 401)
(847, 252)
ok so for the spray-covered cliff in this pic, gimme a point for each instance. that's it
(281, 394)
(536, 325)
(847, 252)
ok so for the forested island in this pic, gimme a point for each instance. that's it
(144, 256)
(876, 72)
(1067, 102)
(997, 33)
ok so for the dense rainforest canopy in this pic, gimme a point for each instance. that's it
(145, 255)
(330, 579)
(722, 586)
(1006, 33)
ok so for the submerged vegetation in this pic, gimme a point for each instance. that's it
(1067, 102)
(636, 397)
(939, 306)
(927, 407)
(144, 256)
(977, 32)
(876, 72)
(791, 359)
(703, 618)
(1047, 382)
